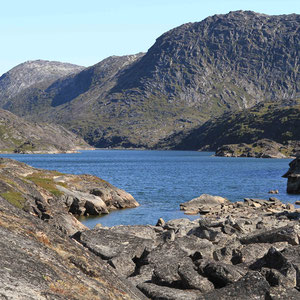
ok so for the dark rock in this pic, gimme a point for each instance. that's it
(157, 292)
(123, 264)
(160, 222)
(253, 286)
(288, 234)
(276, 279)
(250, 252)
(166, 259)
(192, 280)
(195, 247)
(222, 274)
(293, 176)
(208, 233)
(276, 260)
(144, 274)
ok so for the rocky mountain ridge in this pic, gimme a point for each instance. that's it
(192, 73)
(20, 136)
(31, 73)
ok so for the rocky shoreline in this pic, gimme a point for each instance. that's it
(242, 250)
(59, 198)
(264, 148)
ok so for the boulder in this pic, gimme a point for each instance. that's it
(123, 264)
(288, 234)
(191, 279)
(144, 274)
(166, 259)
(108, 244)
(157, 292)
(253, 286)
(222, 274)
(204, 204)
(293, 176)
(250, 252)
(275, 261)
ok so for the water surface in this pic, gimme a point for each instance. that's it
(161, 180)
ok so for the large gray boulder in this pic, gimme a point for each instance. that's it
(203, 204)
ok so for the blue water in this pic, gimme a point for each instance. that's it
(161, 180)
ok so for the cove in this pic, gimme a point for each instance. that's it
(161, 180)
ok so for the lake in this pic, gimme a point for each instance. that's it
(161, 180)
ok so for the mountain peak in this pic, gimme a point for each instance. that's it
(32, 72)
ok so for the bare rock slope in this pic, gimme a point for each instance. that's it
(21, 136)
(30, 73)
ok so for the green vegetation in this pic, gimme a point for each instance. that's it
(46, 182)
(275, 121)
(15, 198)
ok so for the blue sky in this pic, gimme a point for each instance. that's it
(86, 31)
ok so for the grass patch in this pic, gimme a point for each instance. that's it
(46, 183)
(14, 198)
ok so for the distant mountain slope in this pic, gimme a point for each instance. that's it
(279, 122)
(20, 136)
(192, 73)
(33, 72)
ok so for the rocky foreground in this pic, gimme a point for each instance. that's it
(243, 250)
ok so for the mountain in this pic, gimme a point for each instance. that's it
(279, 121)
(192, 73)
(33, 72)
(20, 136)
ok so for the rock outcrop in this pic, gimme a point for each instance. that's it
(38, 261)
(261, 149)
(203, 204)
(31, 73)
(243, 250)
(56, 197)
(293, 176)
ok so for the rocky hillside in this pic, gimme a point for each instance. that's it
(38, 259)
(20, 136)
(192, 72)
(275, 121)
(31, 73)
(261, 149)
